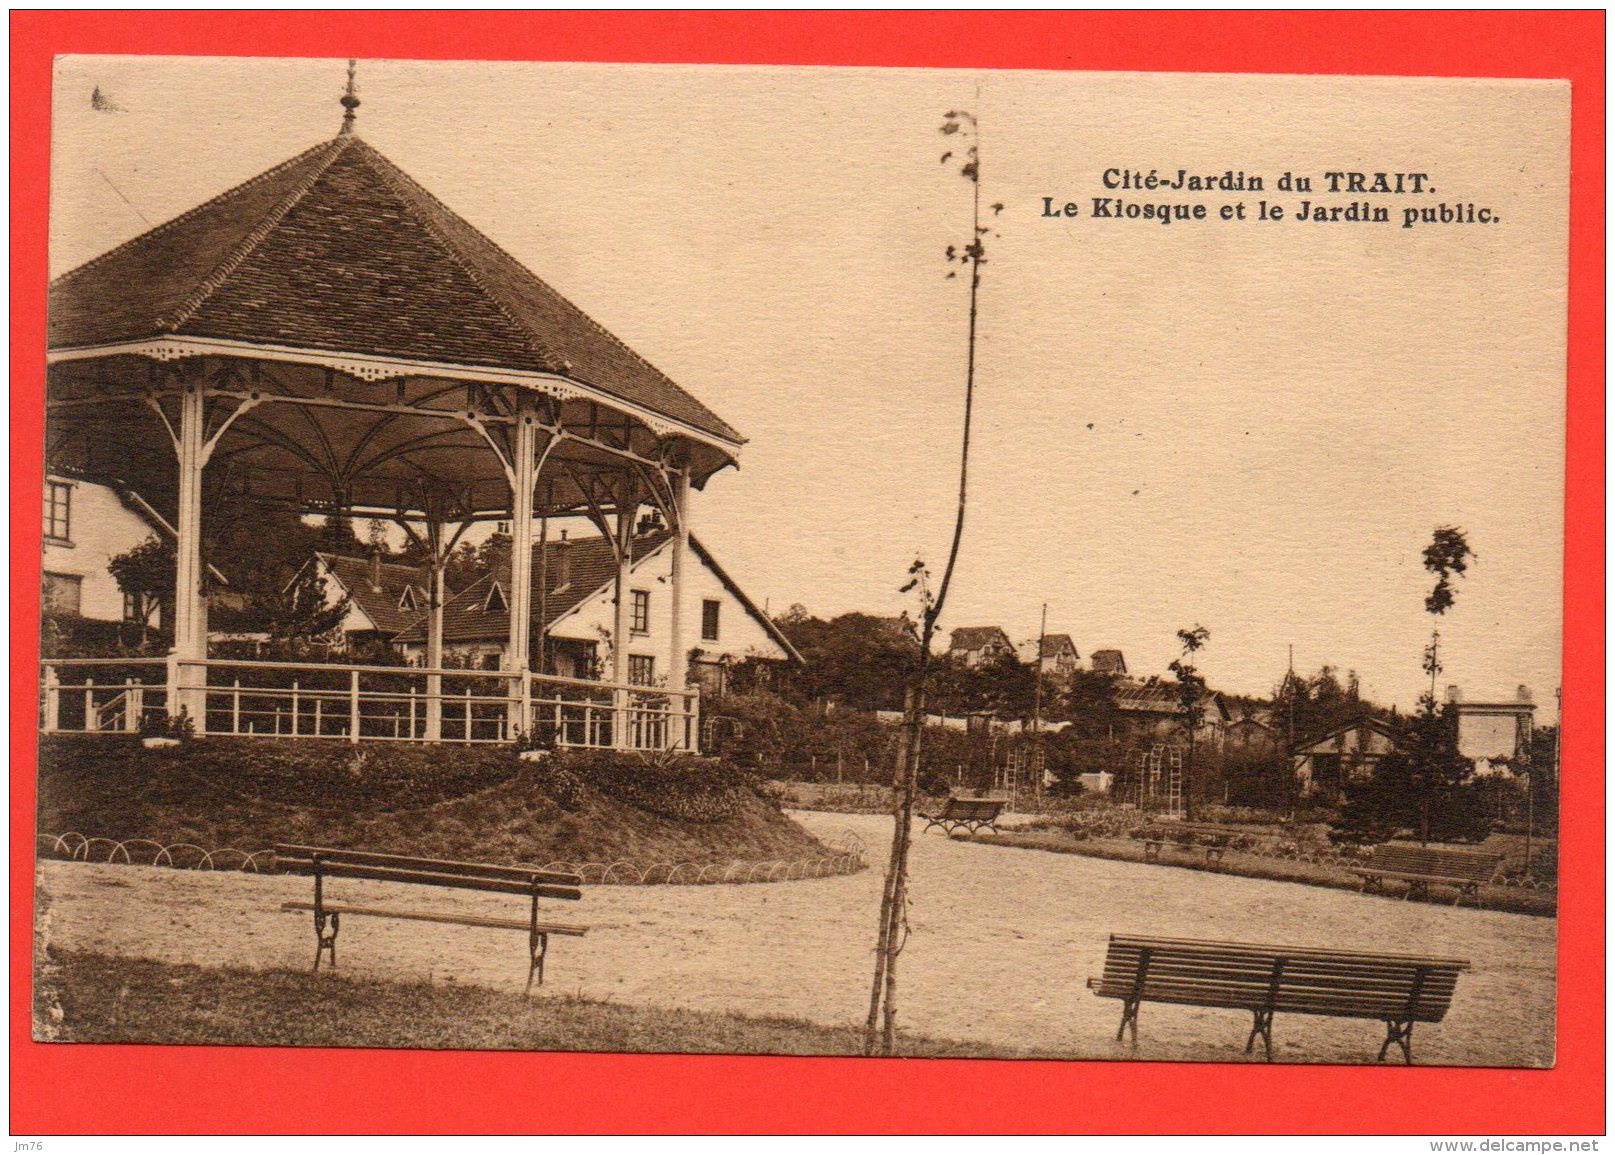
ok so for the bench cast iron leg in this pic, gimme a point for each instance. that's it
(324, 942)
(1262, 1027)
(1129, 1019)
(538, 947)
(1402, 1035)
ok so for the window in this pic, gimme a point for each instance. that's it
(641, 670)
(641, 613)
(62, 593)
(137, 608)
(490, 661)
(709, 621)
(406, 600)
(58, 511)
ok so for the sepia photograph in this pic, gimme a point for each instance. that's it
(813, 561)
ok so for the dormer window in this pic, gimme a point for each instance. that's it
(406, 600)
(496, 603)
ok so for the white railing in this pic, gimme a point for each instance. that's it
(364, 703)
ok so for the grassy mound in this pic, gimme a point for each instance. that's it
(102, 999)
(479, 803)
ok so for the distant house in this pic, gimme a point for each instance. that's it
(88, 522)
(1325, 764)
(1108, 662)
(980, 645)
(1054, 654)
(1150, 712)
(1496, 731)
(384, 598)
(574, 583)
(1251, 730)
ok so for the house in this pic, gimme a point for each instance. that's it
(1150, 712)
(1054, 654)
(384, 598)
(87, 522)
(1108, 662)
(1347, 754)
(980, 645)
(1251, 730)
(573, 593)
(1497, 731)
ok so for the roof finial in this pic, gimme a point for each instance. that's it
(349, 102)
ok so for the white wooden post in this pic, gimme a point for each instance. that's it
(626, 511)
(353, 706)
(131, 706)
(434, 641)
(468, 712)
(53, 701)
(235, 707)
(319, 702)
(92, 723)
(520, 599)
(678, 664)
(412, 712)
(294, 707)
(190, 636)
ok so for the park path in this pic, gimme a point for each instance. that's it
(1002, 942)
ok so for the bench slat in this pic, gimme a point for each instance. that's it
(450, 881)
(1289, 952)
(475, 920)
(295, 855)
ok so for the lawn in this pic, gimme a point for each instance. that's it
(92, 998)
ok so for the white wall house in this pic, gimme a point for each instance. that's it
(573, 593)
(86, 524)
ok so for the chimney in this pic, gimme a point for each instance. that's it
(375, 569)
(1452, 694)
(563, 563)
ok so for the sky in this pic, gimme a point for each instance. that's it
(1253, 427)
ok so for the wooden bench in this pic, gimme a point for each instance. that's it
(1419, 866)
(1397, 990)
(324, 863)
(1157, 837)
(970, 813)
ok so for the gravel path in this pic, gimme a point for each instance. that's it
(1002, 943)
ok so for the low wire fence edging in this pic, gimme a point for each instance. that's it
(848, 858)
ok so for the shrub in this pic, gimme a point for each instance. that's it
(684, 787)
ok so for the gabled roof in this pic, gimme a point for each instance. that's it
(1162, 698)
(337, 250)
(1108, 662)
(1054, 645)
(1366, 722)
(592, 570)
(382, 606)
(975, 637)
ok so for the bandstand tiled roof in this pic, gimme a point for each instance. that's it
(338, 251)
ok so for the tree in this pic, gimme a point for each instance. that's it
(1088, 702)
(1434, 764)
(1191, 696)
(858, 660)
(894, 893)
(146, 573)
(299, 610)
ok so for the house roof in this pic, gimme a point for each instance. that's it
(1161, 698)
(380, 604)
(593, 568)
(1053, 645)
(1108, 662)
(975, 637)
(337, 250)
(1367, 722)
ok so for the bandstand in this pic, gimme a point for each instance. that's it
(330, 338)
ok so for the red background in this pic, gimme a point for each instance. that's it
(130, 1089)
